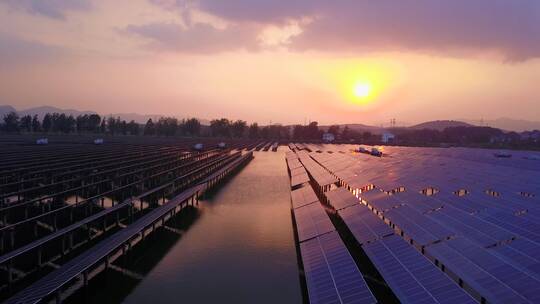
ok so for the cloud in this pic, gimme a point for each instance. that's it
(15, 51)
(510, 27)
(55, 9)
(199, 38)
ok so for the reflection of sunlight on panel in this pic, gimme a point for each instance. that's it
(429, 191)
(492, 193)
(527, 194)
(461, 192)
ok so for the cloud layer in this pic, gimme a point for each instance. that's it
(199, 38)
(511, 28)
(55, 9)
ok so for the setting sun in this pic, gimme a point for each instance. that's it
(362, 90)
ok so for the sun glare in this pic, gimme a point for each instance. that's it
(362, 90)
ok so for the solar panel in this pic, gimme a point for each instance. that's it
(341, 198)
(293, 164)
(411, 276)
(331, 274)
(299, 179)
(470, 226)
(321, 176)
(303, 196)
(417, 226)
(364, 224)
(520, 225)
(372, 195)
(299, 170)
(519, 281)
(311, 221)
(493, 289)
(522, 254)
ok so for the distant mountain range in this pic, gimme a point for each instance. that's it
(41, 111)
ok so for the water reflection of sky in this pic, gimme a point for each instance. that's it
(241, 249)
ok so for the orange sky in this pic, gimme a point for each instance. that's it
(265, 63)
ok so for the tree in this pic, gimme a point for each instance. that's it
(220, 127)
(81, 122)
(167, 126)
(149, 128)
(313, 131)
(253, 131)
(93, 122)
(123, 127)
(113, 125)
(238, 127)
(191, 127)
(11, 122)
(278, 131)
(310, 132)
(346, 133)
(47, 123)
(334, 130)
(36, 125)
(264, 132)
(133, 128)
(26, 123)
(298, 132)
(367, 136)
(63, 123)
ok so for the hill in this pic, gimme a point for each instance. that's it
(6, 109)
(358, 128)
(41, 111)
(510, 124)
(440, 125)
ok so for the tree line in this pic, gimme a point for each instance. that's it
(66, 124)
(61, 123)
(225, 128)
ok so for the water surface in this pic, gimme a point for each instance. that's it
(240, 249)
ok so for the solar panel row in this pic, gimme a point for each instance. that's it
(312, 221)
(364, 224)
(321, 176)
(303, 196)
(341, 198)
(331, 274)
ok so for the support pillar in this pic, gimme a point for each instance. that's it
(40, 259)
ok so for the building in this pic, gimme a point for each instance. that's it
(328, 137)
(387, 137)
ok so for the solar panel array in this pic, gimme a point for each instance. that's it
(473, 215)
(76, 242)
(331, 274)
(412, 277)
